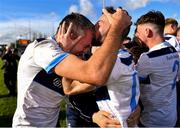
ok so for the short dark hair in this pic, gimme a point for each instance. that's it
(78, 20)
(136, 48)
(110, 9)
(154, 17)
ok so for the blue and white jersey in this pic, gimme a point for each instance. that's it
(121, 94)
(158, 69)
(39, 89)
(173, 41)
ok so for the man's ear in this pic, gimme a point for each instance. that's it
(172, 26)
(149, 32)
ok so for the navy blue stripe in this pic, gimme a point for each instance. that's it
(167, 38)
(102, 94)
(127, 61)
(51, 81)
(144, 80)
(40, 39)
(161, 52)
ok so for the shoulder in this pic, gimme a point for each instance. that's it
(40, 39)
(169, 37)
(172, 40)
(122, 53)
(144, 58)
(46, 43)
(125, 57)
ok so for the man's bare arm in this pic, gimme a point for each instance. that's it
(72, 87)
(97, 69)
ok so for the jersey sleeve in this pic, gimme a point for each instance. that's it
(47, 54)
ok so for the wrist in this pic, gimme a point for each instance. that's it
(116, 33)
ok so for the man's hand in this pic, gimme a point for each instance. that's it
(133, 119)
(68, 39)
(119, 20)
(105, 119)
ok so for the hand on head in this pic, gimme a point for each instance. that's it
(68, 39)
(119, 19)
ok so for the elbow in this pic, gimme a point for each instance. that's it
(67, 92)
(99, 79)
(101, 82)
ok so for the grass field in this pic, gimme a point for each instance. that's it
(8, 106)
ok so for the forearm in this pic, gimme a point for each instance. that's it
(107, 53)
(97, 69)
(72, 87)
(102, 61)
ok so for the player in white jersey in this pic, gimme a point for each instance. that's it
(36, 88)
(170, 30)
(44, 61)
(158, 69)
(120, 94)
(173, 41)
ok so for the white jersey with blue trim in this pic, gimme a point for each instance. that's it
(39, 89)
(158, 69)
(122, 93)
(173, 41)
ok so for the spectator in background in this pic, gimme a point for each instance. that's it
(170, 30)
(157, 69)
(10, 70)
(16, 57)
(178, 34)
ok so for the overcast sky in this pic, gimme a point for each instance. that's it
(19, 17)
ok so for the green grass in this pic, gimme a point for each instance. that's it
(8, 105)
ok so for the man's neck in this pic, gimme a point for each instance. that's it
(155, 41)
